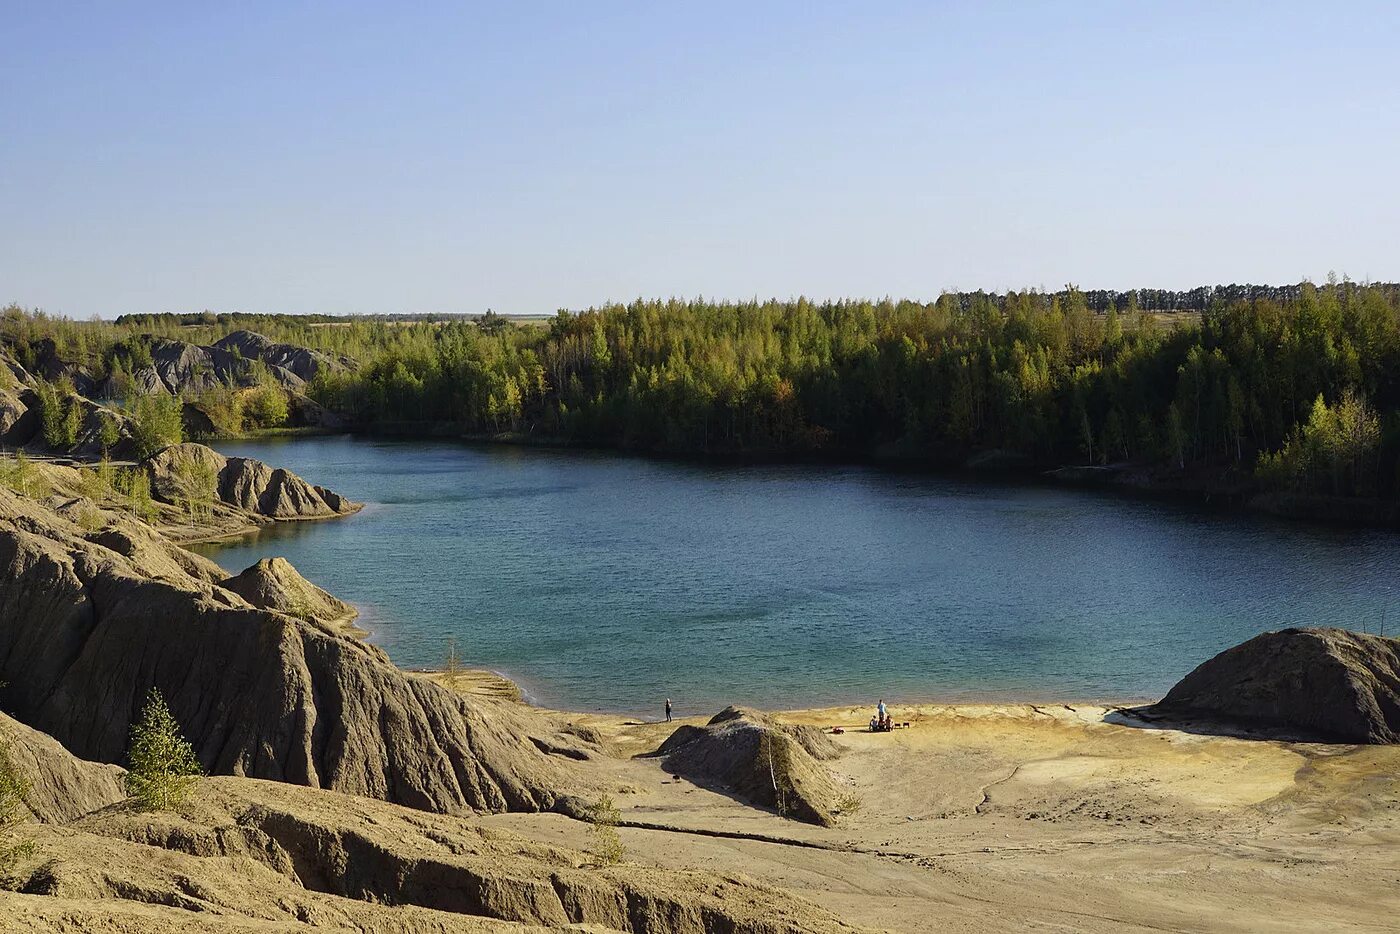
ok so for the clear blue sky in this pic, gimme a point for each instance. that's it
(526, 156)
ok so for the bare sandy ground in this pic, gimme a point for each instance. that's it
(1040, 818)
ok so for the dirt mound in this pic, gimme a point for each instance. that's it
(274, 584)
(754, 756)
(243, 483)
(85, 632)
(62, 786)
(1329, 682)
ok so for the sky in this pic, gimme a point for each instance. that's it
(528, 156)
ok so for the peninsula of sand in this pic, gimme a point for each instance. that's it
(343, 793)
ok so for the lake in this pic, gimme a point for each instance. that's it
(602, 582)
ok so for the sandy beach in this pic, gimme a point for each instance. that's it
(1021, 817)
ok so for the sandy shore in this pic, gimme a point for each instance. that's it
(1020, 817)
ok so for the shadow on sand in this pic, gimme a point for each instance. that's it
(1153, 717)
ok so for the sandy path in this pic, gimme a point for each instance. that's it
(1042, 818)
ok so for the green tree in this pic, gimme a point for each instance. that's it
(604, 817)
(136, 486)
(59, 415)
(163, 767)
(108, 432)
(19, 474)
(156, 423)
(198, 481)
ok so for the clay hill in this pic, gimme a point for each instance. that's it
(178, 368)
(1331, 683)
(259, 856)
(91, 620)
(273, 584)
(242, 484)
(760, 760)
(20, 421)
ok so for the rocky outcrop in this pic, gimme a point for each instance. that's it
(182, 368)
(273, 584)
(242, 483)
(93, 420)
(301, 362)
(1330, 683)
(62, 787)
(85, 633)
(758, 759)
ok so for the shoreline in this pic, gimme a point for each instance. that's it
(478, 675)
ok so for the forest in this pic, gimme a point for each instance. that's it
(1291, 387)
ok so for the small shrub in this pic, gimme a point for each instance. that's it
(164, 769)
(604, 817)
(847, 804)
(14, 788)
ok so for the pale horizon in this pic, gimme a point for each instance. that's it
(452, 159)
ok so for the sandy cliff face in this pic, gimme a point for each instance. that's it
(86, 631)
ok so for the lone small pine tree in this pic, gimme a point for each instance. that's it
(14, 788)
(164, 769)
(607, 844)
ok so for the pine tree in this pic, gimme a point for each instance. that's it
(14, 788)
(164, 768)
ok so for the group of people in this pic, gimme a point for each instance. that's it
(881, 722)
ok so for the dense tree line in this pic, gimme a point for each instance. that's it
(1040, 375)
(1294, 386)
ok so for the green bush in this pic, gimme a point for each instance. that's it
(164, 768)
(265, 407)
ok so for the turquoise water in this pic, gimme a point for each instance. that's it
(604, 582)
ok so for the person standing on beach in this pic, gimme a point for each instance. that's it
(668, 710)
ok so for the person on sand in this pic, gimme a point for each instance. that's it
(883, 712)
(668, 710)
